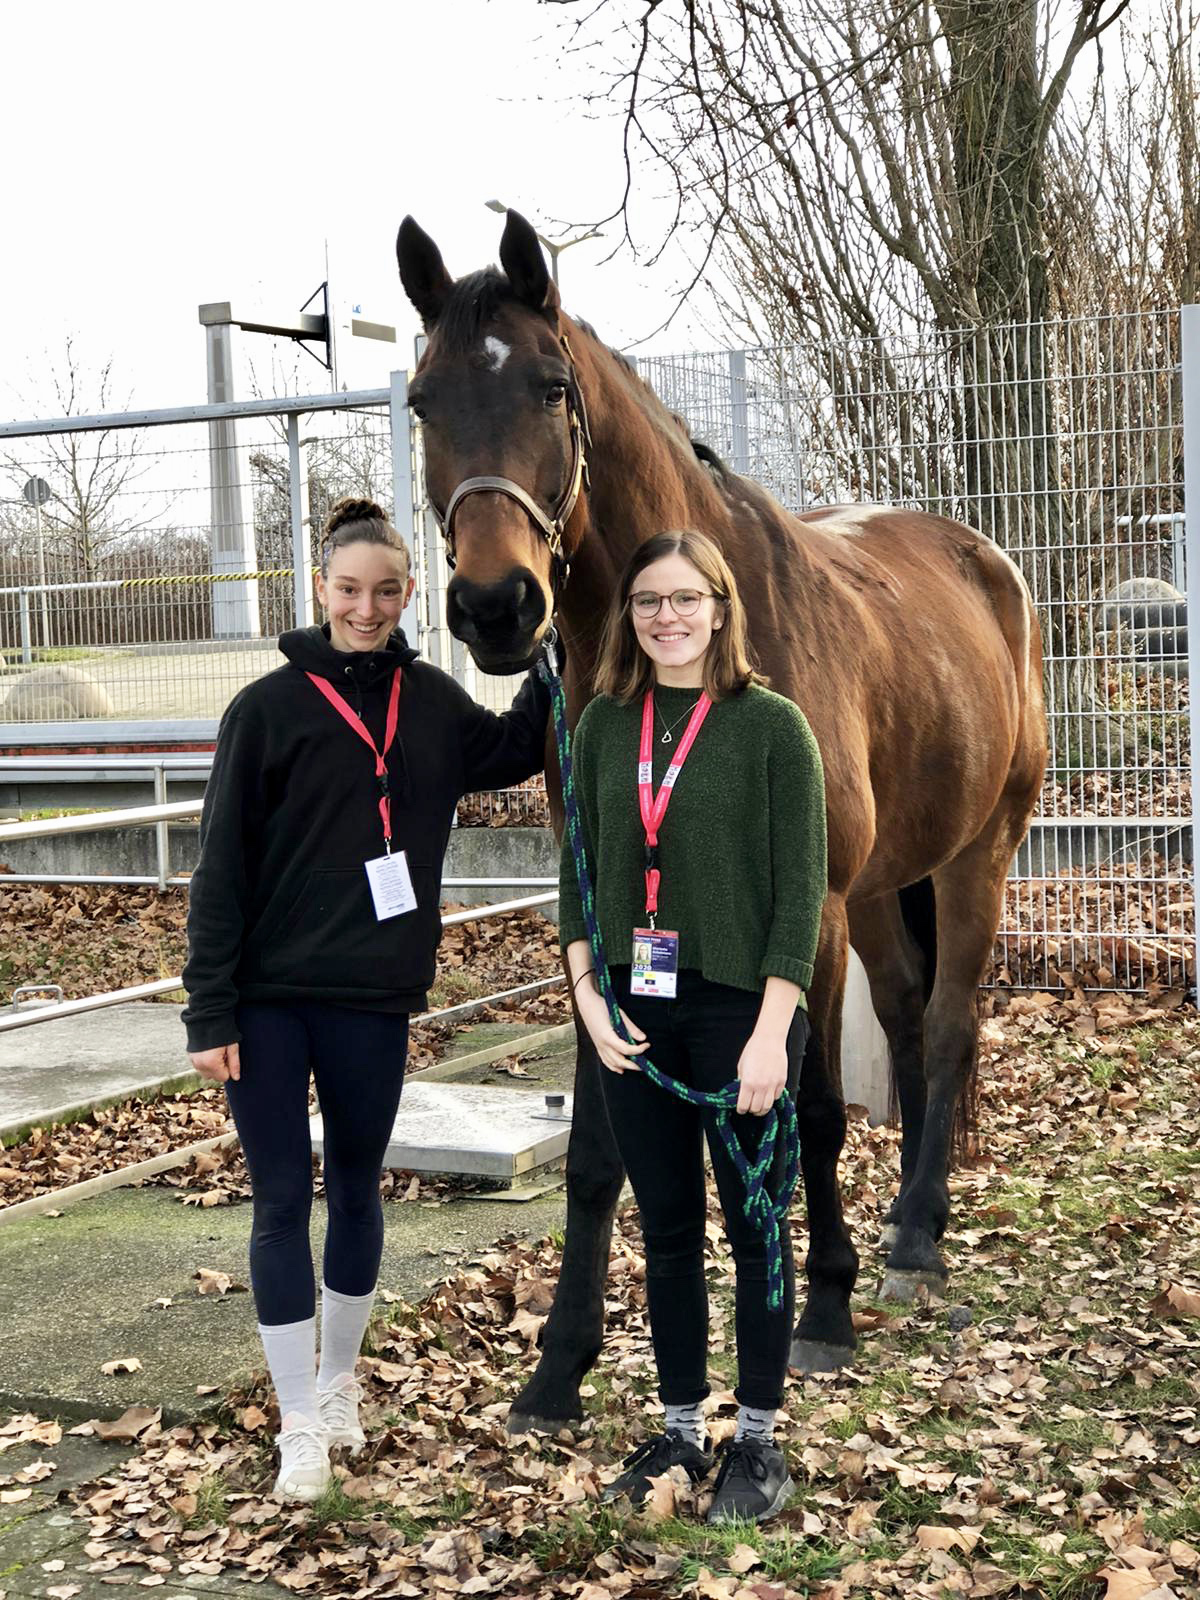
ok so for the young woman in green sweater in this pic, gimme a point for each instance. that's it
(708, 894)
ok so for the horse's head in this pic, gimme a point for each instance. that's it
(505, 436)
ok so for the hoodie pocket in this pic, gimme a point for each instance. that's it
(331, 939)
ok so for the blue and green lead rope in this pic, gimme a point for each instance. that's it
(766, 1212)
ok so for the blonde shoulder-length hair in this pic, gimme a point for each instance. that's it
(625, 671)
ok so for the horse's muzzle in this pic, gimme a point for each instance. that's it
(500, 623)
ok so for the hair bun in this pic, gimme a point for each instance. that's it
(350, 510)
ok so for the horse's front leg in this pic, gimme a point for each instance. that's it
(574, 1330)
(824, 1338)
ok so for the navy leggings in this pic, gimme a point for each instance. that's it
(697, 1039)
(357, 1059)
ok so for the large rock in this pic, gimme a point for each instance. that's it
(56, 694)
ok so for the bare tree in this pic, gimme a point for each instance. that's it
(863, 168)
(93, 506)
(1123, 215)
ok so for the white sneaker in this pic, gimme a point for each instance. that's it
(339, 1413)
(303, 1458)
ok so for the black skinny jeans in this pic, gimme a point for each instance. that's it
(697, 1039)
(357, 1059)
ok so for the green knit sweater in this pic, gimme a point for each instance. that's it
(741, 849)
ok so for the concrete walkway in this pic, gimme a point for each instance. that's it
(93, 1057)
(89, 1286)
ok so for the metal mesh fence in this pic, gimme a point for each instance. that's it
(112, 604)
(1062, 441)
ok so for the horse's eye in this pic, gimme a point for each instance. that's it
(556, 394)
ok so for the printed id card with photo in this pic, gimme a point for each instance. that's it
(391, 886)
(655, 962)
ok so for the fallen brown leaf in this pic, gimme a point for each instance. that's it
(121, 1364)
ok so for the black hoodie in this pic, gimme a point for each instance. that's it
(280, 907)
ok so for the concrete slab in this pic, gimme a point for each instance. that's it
(471, 1129)
(92, 1057)
(83, 1288)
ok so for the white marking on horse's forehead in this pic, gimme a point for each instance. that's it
(496, 351)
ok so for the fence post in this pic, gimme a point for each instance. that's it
(739, 414)
(234, 603)
(1189, 335)
(404, 502)
(162, 845)
(26, 634)
(302, 586)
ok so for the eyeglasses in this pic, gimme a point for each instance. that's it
(645, 603)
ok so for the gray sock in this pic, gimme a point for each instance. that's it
(689, 1421)
(755, 1424)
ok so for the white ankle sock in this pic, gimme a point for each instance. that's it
(755, 1424)
(689, 1421)
(291, 1350)
(344, 1319)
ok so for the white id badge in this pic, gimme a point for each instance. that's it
(655, 963)
(391, 886)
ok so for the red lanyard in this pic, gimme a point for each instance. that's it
(654, 807)
(356, 722)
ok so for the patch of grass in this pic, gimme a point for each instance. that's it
(901, 1508)
(335, 1505)
(783, 1555)
(1181, 1522)
(1056, 1578)
(212, 1502)
(1084, 1432)
(413, 1528)
(577, 1539)
(1104, 1071)
(454, 986)
(455, 1505)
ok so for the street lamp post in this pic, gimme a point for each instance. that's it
(554, 250)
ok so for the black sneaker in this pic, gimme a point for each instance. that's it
(753, 1482)
(651, 1460)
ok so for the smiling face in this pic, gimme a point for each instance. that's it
(675, 644)
(366, 590)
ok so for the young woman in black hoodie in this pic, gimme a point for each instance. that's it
(313, 925)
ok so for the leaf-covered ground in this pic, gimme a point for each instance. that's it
(92, 938)
(1035, 1434)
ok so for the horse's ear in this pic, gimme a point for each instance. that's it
(422, 271)
(525, 265)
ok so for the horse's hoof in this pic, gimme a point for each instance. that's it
(811, 1355)
(905, 1286)
(889, 1233)
(519, 1423)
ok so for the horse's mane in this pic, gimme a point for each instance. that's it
(703, 453)
(709, 458)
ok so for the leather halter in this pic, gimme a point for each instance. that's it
(551, 527)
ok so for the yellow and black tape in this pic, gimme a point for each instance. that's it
(211, 577)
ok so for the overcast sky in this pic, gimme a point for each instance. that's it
(160, 156)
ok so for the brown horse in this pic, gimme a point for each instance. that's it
(909, 641)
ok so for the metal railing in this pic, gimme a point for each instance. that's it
(159, 817)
